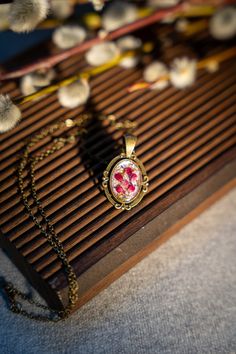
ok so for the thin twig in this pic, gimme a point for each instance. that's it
(80, 75)
(50, 61)
(201, 64)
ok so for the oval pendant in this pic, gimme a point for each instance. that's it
(125, 180)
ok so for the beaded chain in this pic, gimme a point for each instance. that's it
(46, 227)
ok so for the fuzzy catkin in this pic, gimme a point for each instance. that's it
(75, 94)
(24, 15)
(68, 36)
(10, 114)
(102, 53)
(183, 72)
(32, 82)
(223, 23)
(61, 8)
(118, 14)
(154, 72)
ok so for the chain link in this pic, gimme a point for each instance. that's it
(41, 220)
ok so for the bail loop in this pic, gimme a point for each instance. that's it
(130, 142)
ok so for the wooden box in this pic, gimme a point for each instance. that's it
(186, 140)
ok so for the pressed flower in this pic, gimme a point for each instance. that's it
(118, 14)
(125, 180)
(128, 170)
(10, 114)
(30, 83)
(119, 189)
(183, 72)
(4, 13)
(25, 15)
(102, 53)
(157, 73)
(61, 8)
(223, 23)
(118, 176)
(75, 94)
(68, 36)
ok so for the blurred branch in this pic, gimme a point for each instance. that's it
(201, 64)
(52, 60)
(212, 2)
(80, 75)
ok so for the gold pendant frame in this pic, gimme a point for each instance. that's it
(129, 154)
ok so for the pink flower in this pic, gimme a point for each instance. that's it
(119, 189)
(133, 177)
(125, 179)
(129, 171)
(119, 177)
(125, 183)
(131, 188)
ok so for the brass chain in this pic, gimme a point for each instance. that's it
(40, 218)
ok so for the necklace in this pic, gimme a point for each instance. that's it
(124, 181)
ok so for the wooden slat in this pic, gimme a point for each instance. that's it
(183, 135)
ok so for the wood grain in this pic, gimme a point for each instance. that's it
(186, 140)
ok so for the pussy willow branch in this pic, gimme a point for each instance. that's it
(50, 61)
(84, 75)
(72, 1)
(219, 57)
(195, 11)
(198, 2)
(201, 64)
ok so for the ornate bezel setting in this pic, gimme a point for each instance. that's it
(106, 184)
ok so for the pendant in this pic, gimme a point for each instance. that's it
(125, 181)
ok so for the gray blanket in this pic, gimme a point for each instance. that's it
(180, 299)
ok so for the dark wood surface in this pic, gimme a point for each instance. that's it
(186, 140)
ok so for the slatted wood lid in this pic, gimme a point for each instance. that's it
(181, 133)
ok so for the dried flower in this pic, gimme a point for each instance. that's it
(75, 94)
(102, 53)
(223, 23)
(68, 36)
(25, 15)
(62, 8)
(30, 83)
(10, 114)
(163, 3)
(183, 72)
(129, 43)
(4, 13)
(118, 14)
(156, 71)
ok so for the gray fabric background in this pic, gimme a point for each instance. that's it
(180, 299)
